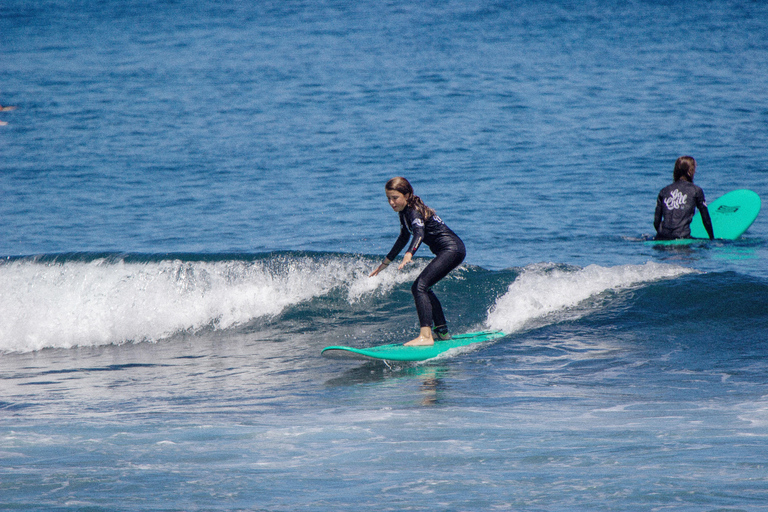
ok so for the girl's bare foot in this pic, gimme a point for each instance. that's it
(424, 340)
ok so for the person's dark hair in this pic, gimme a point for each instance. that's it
(684, 167)
(400, 184)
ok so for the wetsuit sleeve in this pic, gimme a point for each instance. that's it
(657, 215)
(417, 227)
(707, 222)
(408, 217)
(399, 243)
(701, 204)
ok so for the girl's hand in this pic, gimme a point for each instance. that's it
(379, 269)
(406, 260)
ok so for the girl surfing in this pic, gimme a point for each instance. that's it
(419, 223)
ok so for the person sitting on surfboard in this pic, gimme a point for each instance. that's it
(677, 202)
(419, 220)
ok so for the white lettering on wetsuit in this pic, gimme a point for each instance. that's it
(676, 200)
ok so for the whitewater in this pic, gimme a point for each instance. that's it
(79, 302)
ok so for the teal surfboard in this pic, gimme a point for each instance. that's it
(399, 352)
(731, 214)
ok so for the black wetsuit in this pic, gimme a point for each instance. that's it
(675, 207)
(449, 252)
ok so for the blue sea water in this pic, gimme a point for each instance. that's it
(192, 200)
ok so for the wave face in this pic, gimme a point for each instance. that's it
(64, 302)
(544, 290)
(67, 301)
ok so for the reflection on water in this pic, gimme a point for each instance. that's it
(430, 386)
(693, 251)
(430, 378)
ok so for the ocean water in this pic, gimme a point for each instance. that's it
(192, 200)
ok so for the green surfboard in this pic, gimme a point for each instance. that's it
(399, 352)
(731, 214)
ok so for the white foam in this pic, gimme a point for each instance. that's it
(546, 289)
(73, 303)
(63, 305)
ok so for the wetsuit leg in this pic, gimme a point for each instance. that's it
(427, 305)
(438, 317)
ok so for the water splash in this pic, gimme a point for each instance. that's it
(547, 289)
(76, 302)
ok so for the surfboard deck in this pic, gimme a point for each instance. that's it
(731, 214)
(399, 352)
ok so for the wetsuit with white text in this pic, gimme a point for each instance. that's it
(675, 207)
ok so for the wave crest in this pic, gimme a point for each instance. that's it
(68, 302)
(546, 289)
